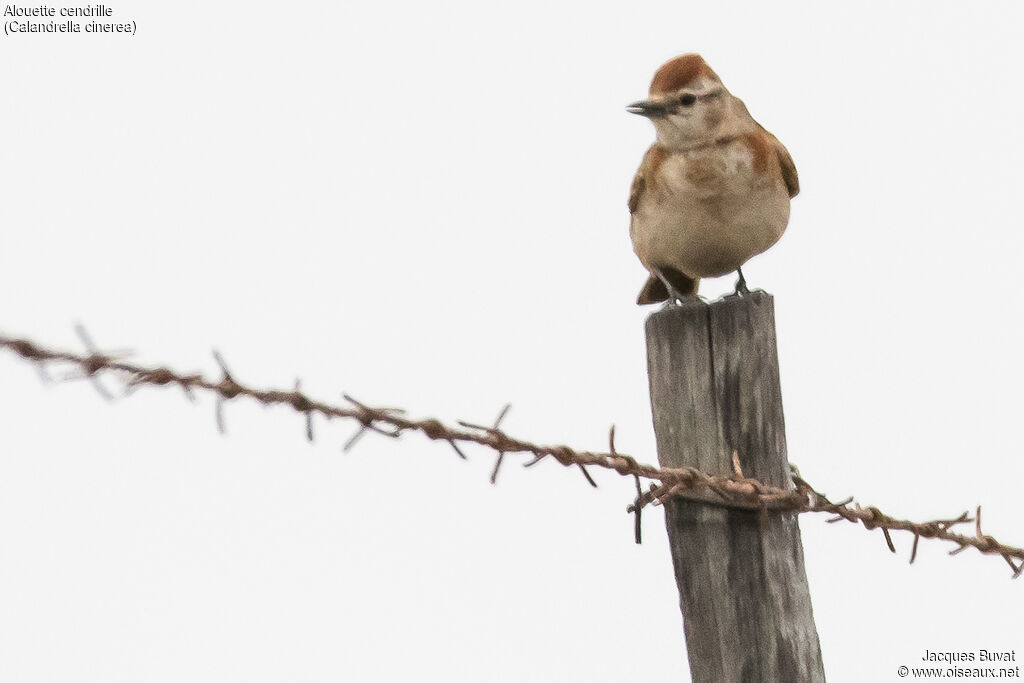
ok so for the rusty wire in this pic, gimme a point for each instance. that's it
(735, 490)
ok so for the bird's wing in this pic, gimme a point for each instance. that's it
(789, 174)
(637, 190)
(644, 177)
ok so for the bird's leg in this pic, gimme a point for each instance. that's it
(673, 294)
(741, 284)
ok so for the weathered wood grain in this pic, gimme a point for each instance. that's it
(714, 382)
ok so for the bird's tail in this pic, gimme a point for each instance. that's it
(654, 289)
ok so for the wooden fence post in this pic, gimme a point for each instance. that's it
(714, 379)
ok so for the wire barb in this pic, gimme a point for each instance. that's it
(93, 363)
(303, 405)
(736, 468)
(455, 447)
(888, 539)
(496, 430)
(586, 475)
(637, 510)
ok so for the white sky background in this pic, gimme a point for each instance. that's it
(423, 204)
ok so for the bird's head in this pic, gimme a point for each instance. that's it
(687, 102)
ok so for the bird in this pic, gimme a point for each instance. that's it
(712, 191)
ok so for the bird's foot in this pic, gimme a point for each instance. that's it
(677, 300)
(741, 284)
(673, 295)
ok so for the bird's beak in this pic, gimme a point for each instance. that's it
(651, 110)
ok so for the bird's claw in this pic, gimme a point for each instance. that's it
(741, 284)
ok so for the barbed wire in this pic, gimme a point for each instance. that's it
(735, 490)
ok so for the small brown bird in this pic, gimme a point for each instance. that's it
(712, 191)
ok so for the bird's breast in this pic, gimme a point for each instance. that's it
(707, 211)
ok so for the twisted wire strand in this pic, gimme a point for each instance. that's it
(665, 484)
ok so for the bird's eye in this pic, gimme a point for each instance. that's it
(688, 99)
